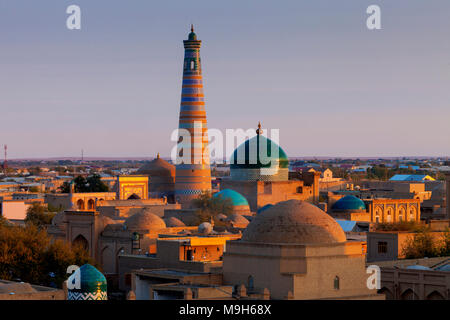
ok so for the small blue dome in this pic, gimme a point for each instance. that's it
(349, 203)
(418, 267)
(236, 198)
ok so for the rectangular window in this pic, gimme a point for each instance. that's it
(382, 247)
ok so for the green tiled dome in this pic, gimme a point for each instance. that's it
(93, 284)
(248, 155)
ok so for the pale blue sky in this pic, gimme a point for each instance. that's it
(310, 68)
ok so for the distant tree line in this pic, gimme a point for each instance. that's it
(81, 184)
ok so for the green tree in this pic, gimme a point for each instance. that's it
(38, 215)
(95, 184)
(91, 184)
(209, 206)
(27, 253)
(34, 189)
(445, 243)
(420, 245)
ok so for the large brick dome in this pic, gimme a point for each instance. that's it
(145, 220)
(294, 221)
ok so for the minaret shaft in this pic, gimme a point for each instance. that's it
(193, 173)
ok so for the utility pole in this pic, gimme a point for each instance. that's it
(5, 162)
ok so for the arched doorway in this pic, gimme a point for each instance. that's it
(412, 214)
(409, 295)
(81, 242)
(134, 196)
(108, 262)
(402, 214)
(435, 296)
(390, 215)
(378, 214)
(80, 204)
(91, 204)
(387, 293)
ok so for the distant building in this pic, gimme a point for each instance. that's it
(416, 279)
(352, 208)
(411, 177)
(390, 245)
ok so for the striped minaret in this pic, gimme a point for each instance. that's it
(193, 173)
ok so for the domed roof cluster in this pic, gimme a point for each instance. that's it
(144, 220)
(294, 221)
(173, 222)
(205, 228)
(235, 197)
(349, 203)
(259, 158)
(238, 220)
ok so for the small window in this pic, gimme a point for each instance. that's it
(382, 247)
(336, 283)
(192, 65)
(189, 256)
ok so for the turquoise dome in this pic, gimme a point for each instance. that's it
(349, 203)
(93, 284)
(236, 198)
(245, 157)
